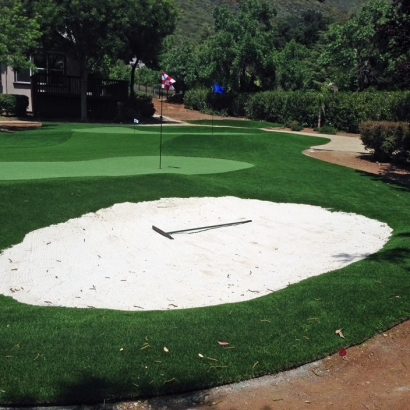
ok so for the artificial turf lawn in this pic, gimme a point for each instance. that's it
(120, 166)
(62, 355)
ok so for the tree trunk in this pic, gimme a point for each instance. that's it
(133, 67)
(83, 94)
(318, 117)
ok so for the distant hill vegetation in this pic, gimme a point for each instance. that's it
(197, 14)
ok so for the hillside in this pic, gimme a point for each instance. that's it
(195, 14)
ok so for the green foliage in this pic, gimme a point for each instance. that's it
(304, 29)
(19, 34)
(180, 61)
(283, 106)
(149, 22)
(137, 106)
(147, 76)
(196, 15)
(15, 105)
(386, 140)
(295, 126)
(292, 71)
(113, 69)
(351, 52)
(228, 103)
(91, 30)
(196, 99)
(344, 110)
(239, 54)
(393, 36)
(327, 129)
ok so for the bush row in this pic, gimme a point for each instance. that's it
(344, 110)
(386, 140)
(12, 104)
(206, 101)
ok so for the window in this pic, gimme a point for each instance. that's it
(52, 64)
(23, 76)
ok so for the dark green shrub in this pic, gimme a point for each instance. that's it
(196, 99)
(386, 140)
(296, 127)
(12, 104)
(177, 98)
(343, 110)
(326, 129)
(139, 106)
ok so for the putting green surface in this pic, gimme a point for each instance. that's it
(119, 166)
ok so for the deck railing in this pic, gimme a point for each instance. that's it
(70, 86)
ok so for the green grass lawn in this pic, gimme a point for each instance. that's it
(66, 356)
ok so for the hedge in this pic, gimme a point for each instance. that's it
(12, 104)
(206, 101)
(344, 110)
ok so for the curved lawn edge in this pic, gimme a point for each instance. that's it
(113, 167)
(63, 356)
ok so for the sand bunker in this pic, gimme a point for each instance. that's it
(114, 259)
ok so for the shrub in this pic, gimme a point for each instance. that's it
(327, 129)
(344, 110)
(386, 140)
(296, 127)
(139, 106)
(12, 104)
(196, 99)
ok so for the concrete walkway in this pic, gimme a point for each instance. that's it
(337, 142)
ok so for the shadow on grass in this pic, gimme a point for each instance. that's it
(399, 255)
(98, 393)
(400, 182)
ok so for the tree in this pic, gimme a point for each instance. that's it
(322, 96)
(393, 36)
(19, 35)
(87, 29)
(292, 71)
(239, 54)
(149, 22)
(180, 60)
(305, 29)
(350, 51)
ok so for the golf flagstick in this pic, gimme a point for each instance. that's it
(160, 135)
(212, 126)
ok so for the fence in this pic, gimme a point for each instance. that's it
(153, 91)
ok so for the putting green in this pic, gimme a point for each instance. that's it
(12, 171)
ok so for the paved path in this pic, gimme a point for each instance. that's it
(337, 142)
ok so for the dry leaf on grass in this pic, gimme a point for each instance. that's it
(166, 350)
(339, 332)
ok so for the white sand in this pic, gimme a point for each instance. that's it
(114, 259)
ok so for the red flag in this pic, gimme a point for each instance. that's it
(167, 82)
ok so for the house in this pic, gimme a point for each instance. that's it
(54, 90)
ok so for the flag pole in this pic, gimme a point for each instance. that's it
(212, 126)
(160, 136)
